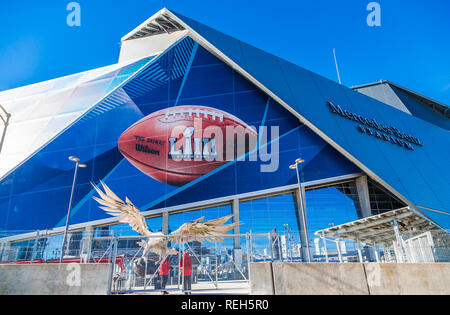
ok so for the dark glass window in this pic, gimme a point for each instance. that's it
(381, 200)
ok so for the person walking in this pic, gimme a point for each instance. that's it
(164, 270)
(186, 272)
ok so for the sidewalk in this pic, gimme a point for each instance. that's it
(206, 288)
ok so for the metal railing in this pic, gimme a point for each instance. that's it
(213, 262)
(264, 247)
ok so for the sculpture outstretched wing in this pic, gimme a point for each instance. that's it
(192, 231)
(127, 211)
(200, 231)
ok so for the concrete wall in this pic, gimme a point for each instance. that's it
(408, 279)
(349, 279)
(54, 279)
(319, 279)
(261, 279)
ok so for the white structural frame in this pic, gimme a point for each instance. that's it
(380, 229)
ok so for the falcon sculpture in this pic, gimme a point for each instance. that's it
(197, 230)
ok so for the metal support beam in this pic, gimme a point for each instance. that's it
(325, 246)
(35, 247)
(338, 244)
(372, 221)
(361, 260)
(303, 224)
(165, 224)
(237, 250)
(362, 188)
(399, 241)
(6, 124)
(86, 249)
(377, 254)
(4, 250)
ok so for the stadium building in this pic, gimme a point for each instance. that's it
(376, 157)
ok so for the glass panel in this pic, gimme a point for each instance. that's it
(381, 200)
(327, 207)
(209, 257)
(53, 247)
(276, 215)
(177, 220)
(21, 251)
(332, 206)
(47, 248)
(127, 247)
(74, 244)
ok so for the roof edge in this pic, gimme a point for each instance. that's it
(159, 23)
(444, 109)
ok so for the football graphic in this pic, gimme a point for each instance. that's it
(181, 144)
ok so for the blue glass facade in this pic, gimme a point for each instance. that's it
(420, 177)
(35, 195)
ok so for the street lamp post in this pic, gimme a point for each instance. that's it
(6, 123)
(302, 207)
(77, 165)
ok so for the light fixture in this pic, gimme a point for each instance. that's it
(302, 207)
(77, 165)
(74, 159)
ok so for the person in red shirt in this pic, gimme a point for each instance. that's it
(164, 270)
(186, 271)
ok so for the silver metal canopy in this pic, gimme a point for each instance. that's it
(379, 229)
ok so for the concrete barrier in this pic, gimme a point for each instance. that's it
(319, 279)
(261, 279)
(349, 279)
(408, 279)
(54, 279)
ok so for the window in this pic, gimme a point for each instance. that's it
(381, 200)
(124, 229)
(207, 255)
(276, 215)
(178, 219)
(327, 207)
(331, 206)
(265, 215)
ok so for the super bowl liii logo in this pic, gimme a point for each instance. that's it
(209, 145)
(375, 129)
(180, 144)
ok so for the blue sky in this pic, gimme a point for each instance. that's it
(411, 48)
